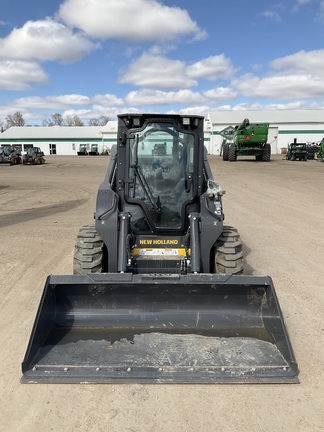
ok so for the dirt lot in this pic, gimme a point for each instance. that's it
(278, 208)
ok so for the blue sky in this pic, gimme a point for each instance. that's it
(105, 57)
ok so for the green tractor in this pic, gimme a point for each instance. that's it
(320, 153)
(297, 151)
(248, 140)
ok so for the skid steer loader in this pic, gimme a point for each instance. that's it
(158, 293)
(34, 156)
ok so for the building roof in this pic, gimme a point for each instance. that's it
(52, 132)
(110, 127)
(267, 116)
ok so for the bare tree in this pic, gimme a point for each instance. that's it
(73, 120)
(99, 121)
(55, 120)
(15, 119)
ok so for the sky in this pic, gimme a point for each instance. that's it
(105, 57)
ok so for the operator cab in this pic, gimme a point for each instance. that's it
(161, 180)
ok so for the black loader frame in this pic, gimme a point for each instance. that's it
(158, 293)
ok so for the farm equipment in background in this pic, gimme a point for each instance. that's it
(33, 156)
(320, 153)
(249, 139)
(94, 150)
(312, 149)
(10, 155)
(157, 292)
(297, 151)
(83, 150)
(105, 151)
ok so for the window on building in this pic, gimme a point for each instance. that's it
(52, 149)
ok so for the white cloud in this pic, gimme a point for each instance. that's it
(82, 113)
(154, 97)
(272, 15)
(108, 100)
(158, 72)
(45, 40)
(320, 13)
(196, 110)
(19, 75)
(66, 105)
(297, 76)
(285, 87)
(70, 99)
(310, 62)
(300, 3)
(134, 21)
(303, 2)
(181, 97)
(52, 102)
(218, 94)
(212, 68)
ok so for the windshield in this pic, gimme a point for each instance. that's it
(161, 172)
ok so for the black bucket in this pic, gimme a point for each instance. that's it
(198, 328)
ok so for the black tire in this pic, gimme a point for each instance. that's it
(232, 154)
(88, 253)
(225, 152)
(228, 254)
(266, 154)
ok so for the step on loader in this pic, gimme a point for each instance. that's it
(158, 293)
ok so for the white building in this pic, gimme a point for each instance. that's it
(61, 140)
(307, 126)
(285, 126)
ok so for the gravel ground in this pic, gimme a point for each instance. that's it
(278, 209)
